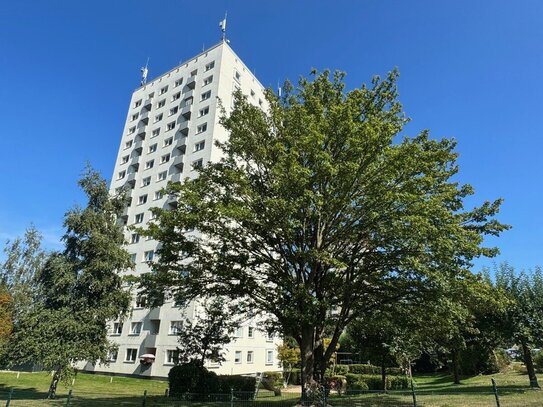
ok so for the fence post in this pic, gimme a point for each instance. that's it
(414, 392)
(495, 388)
(324, 401)
(69, 398)
(8, 401)
(144, 398)
(231, 397)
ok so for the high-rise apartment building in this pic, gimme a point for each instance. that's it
(170, 130)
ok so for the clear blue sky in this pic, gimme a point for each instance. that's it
(471, 70)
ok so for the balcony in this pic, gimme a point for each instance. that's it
(178, 162)
(171, 202)
(140, 136)
(177, 177)
(186, 111)
(147, 104)
(131, 179)
(188, 94)
(138, 145)
(184, 128)
(191, 82)
(182, 148)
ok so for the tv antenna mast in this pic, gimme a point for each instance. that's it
(222, 25)
(144, 71)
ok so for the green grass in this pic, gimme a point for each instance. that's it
(437, 390)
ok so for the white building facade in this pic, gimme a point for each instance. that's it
(171, 126)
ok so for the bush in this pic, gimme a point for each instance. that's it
(358, 387)
(351, 379)
(237, 383)
(192, 378)
(398, 383)
(364, 369)
(374, 382)
(274, 379)
(338, 370)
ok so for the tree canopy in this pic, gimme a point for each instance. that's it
(318, 211)
(77, 290)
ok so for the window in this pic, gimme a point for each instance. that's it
(199, 146)
(112, 355)
(134, 238)
(175, 327)
(206, 95)
(117, 328)
(141, 301)
(135, 328)
(133, 257)
(178, 82)
(146, 181)
(138, 103)
(149, 164)
(151, 95)
(269, 357)
(250, 332)
(172, 356)
(135, 116)
(238, 332)
(260, 102)
(158, 117)
(152, 148)
(128, 144)
(201, 128)
(188, 101)
(250, 357)
(142, 199)
(158, 195)
(237, 357)
(163, 90)
(170, 126)
(155, 132)
(124, 160)
(161, 103)
(139, 218)
(210, 66)
(168, 141)
(132, 130)
(237, 75)
(173, 110)
(165, 158)
(162, 176)
(203, 111)
(269, 338)
(194, 73)
(148, 255)
(131, 355)
(121, 174)
(208, 80)
(176, 96)
(252, 93)
(197, 164)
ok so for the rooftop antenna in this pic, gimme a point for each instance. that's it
(222, 25)
(278, 89)
(144, 71)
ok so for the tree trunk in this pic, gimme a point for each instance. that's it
(383, 373)
(307, 357)
(54, 382)
(528, 361)
(456, 366)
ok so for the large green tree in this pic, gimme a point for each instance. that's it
(524, 316)
(318, 212)
(77, 290)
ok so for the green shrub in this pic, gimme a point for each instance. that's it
(374, 382)
(274, 379)
(398, 383)
(237, 383)
(396, 371)
(337, 370)
(352, 378)
(364, 369)
(358, 387)
(192, 378)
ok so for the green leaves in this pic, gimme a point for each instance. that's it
(317, 213)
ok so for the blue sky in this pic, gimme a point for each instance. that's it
(469, 70)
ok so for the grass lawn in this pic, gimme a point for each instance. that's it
(434, 390)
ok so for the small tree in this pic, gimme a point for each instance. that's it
(78, 290)
(524, 316)
(203, 338)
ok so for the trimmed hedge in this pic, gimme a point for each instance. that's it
(366, 369)
(194, 378)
